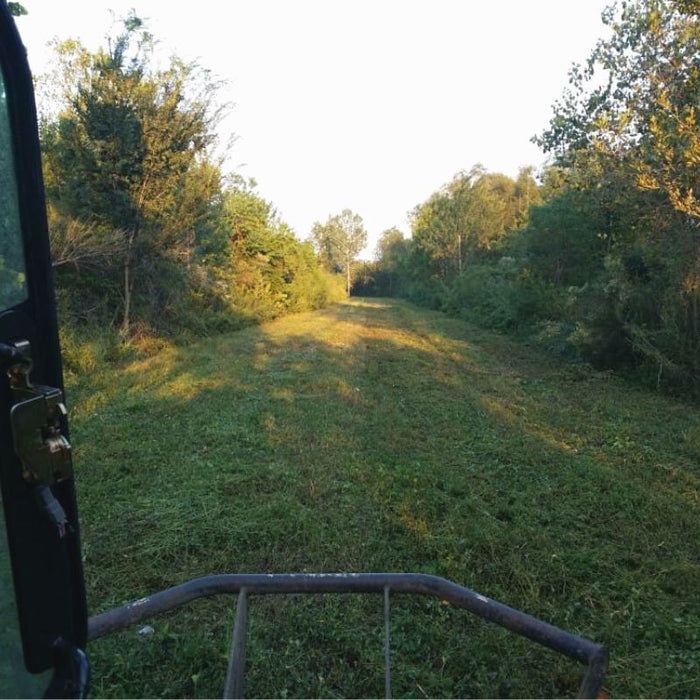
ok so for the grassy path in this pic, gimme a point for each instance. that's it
(376, 436)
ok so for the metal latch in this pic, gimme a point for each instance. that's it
(36, 419)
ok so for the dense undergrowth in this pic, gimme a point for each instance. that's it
(180, 311)
(377, 436)
(581, 277)
(599, 260)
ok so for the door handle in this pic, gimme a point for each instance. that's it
(36, 418)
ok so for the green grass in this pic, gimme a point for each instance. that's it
(375, 436)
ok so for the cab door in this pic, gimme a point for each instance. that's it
(43, 619)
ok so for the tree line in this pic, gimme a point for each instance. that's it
(599, 260)
(597, 257)
(149, 238)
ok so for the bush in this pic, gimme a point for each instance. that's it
(173, 302)
(85, 348)
(500, 295)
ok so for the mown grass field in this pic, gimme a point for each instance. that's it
(375, 436)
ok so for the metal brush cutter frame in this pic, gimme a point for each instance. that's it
(593, 656)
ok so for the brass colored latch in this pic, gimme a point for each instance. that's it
(36, 418)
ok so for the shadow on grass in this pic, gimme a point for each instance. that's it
(373, 436)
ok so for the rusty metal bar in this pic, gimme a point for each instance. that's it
(588, 653)
(387, 647)
(233, 687)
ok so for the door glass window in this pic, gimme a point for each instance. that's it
(13, 287)
(14, 680)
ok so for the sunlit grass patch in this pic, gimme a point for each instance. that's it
(373, 436)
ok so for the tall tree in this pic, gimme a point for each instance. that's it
(637, 131)
(391, 257)
(339, 241)
(129, 147)
(466, 218)
(391, 245)
(644, 110)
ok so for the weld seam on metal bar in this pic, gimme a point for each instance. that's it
(233, 687)
(387, 646)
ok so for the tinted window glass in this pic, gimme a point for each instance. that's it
(13, 288)
(14, 680)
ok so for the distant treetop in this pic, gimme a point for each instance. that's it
(17, 9)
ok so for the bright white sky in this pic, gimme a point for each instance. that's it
(370, 105)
